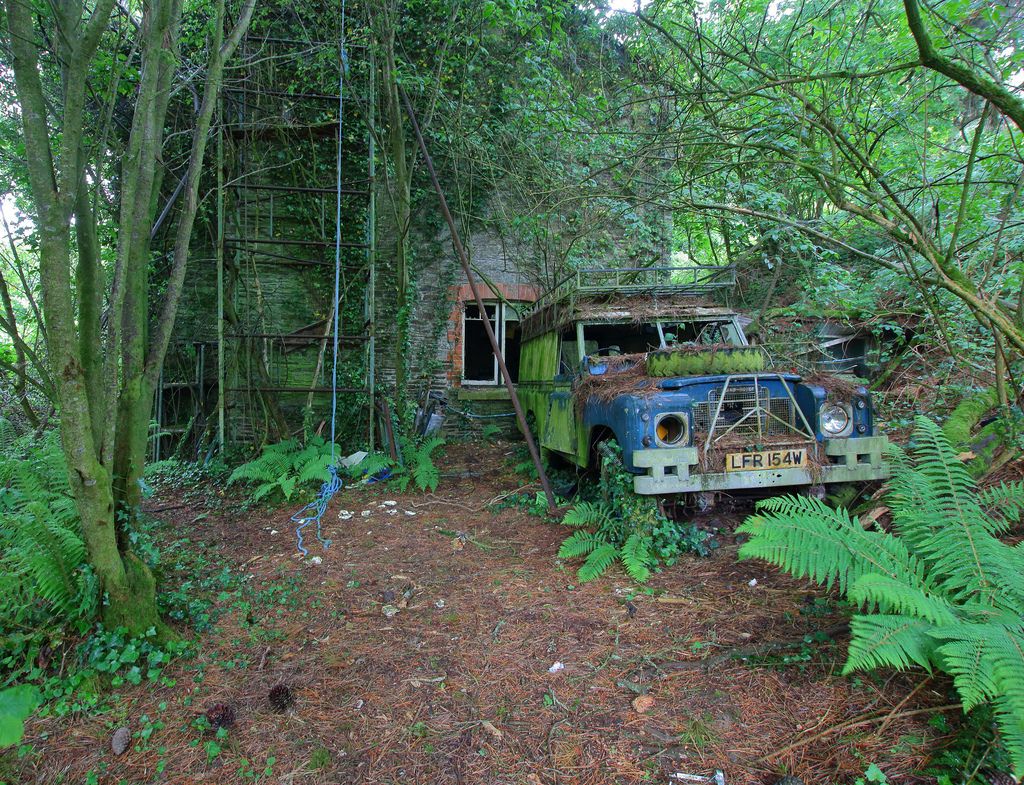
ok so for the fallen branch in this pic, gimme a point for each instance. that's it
(887, 716)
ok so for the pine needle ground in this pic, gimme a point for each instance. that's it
(455, 687)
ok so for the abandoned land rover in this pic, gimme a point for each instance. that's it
(639, 357)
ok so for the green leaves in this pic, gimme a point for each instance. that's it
(285, 466)
(945, 594)
(597, 563)
(623, 527)
(42, 553)
(16, 704)
(425, 473)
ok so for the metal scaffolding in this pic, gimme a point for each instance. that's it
(274, 224)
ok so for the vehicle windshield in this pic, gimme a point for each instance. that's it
(618, 339)
(703, 333)
(609, 340)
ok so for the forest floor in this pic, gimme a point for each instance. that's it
(457, 686)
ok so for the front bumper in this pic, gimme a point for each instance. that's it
(677, 470)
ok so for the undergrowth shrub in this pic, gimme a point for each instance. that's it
(43, 571)
(941, 592)
(49, 596)
(627, 527)
(285, 466)
(417, 466)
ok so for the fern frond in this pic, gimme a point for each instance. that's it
(636, 558)
(1004, 503)
(579, 544)
(264, 489)
(287, 485)
(805, 537)
(884, 641)
(372, 464)
(597, 563)
(425, 474)
(890, 595)
(285, 447)
(317, 468)
(585, 514)
(52, 555)
(987, 663)
(267, 468)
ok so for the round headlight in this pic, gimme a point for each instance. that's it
(834, 418)
(671, 429)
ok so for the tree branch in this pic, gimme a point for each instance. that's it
(1001, 98)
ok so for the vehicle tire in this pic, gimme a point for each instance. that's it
(682, 362)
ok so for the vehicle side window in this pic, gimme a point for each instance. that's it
(701, 333)
(609, 340)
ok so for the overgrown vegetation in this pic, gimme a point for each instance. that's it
(289, 466)
(283, 466)
(44, 575)
(941, 591)
(626, 527)
(417, 465)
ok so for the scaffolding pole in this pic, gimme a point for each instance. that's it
(220, 276)
(371, 243)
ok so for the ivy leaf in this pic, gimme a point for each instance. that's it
(16, 704)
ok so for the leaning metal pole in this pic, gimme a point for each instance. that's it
(460, 251)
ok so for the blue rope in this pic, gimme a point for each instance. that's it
(318, 507)
(314, 511)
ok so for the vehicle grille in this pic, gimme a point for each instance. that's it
(739, 400)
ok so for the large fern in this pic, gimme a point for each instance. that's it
(941, 592)
(600, 540)
(419, 464)
(285, 466)
(43, 567)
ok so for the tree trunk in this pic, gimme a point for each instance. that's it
(104, 392)
(401, 199)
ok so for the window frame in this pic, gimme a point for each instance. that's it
(499, 324)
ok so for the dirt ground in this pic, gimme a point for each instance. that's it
(457, 686)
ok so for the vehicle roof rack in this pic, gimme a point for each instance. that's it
(595, 283)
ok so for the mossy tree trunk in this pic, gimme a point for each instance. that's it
(104, 373)
(399, 181)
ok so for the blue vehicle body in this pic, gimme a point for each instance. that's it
(705, 432)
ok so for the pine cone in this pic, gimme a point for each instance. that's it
(220, 715)
(280, 697)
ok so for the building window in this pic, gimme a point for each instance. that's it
(479, 365)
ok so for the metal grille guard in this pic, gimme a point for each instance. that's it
(758, 409)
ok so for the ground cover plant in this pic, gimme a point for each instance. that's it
(941, 592)
(619, 525)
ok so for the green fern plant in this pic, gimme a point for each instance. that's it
(419, 464)
(418, 467)
(285, 466)
(371, 465)
(600, 541)
(625, 527)
(941, 592)
(43, 567)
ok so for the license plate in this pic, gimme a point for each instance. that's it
(769, 459)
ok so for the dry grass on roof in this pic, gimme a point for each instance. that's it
(642, 308)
